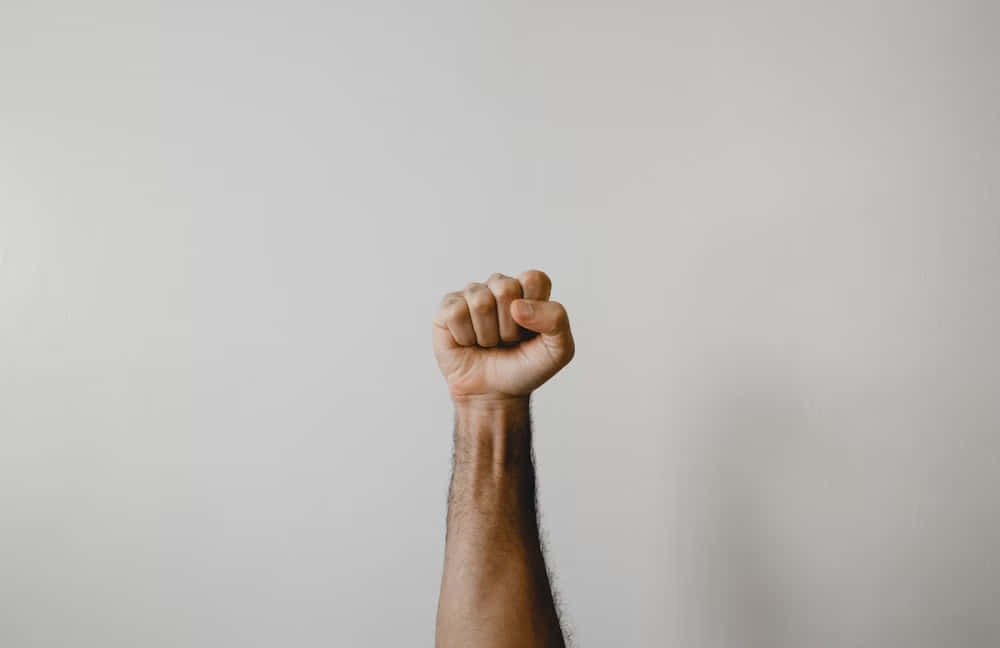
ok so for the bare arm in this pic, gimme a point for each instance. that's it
(495, 589)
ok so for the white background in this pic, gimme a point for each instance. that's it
(225, 226)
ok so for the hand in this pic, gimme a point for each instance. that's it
(500, 340)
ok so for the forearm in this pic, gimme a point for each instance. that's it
(495, 589)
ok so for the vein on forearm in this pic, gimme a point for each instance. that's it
(495, 588)
(492, 488)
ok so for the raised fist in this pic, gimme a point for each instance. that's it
(501, 339)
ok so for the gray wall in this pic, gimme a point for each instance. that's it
(224, 228)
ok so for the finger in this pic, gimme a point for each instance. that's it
(483, 308)
(454, 320)
(505, 290)
(550, 319)
(535, 284)
(546, 317)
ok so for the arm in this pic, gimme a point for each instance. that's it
(495, 589)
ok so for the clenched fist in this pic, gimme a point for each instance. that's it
(501, 339)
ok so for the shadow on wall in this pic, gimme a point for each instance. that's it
(823, 513)
(738, 578)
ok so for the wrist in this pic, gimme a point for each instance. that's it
(493, 431)
(491, 405)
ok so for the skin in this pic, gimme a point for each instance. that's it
(493, 353)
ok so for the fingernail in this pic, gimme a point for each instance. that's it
(524, 309)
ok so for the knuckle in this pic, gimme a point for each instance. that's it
(450, 299)
(481, 305)
(457, 310)
(479, 298)
(506, 289)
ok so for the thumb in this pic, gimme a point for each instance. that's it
(555, 344)
(546, 317)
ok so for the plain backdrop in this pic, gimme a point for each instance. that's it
(225, 227)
